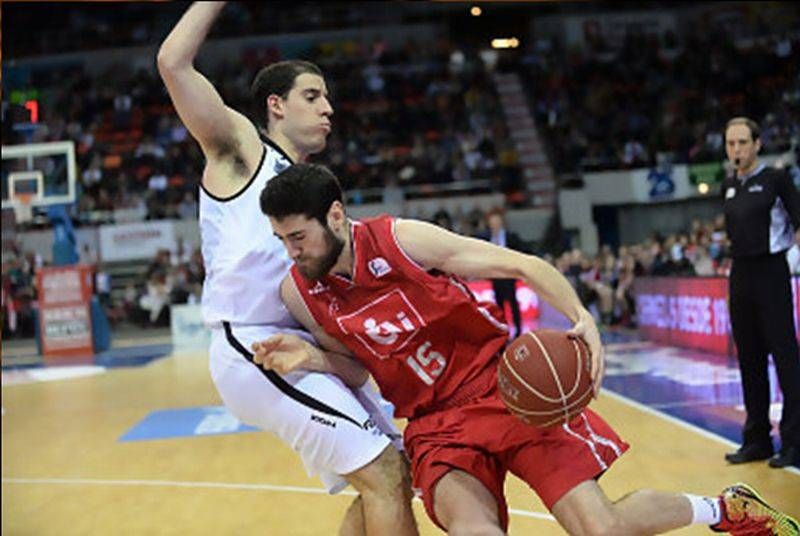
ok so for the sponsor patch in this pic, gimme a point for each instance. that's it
(379, 267)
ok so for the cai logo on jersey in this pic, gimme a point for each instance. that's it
(385, 324)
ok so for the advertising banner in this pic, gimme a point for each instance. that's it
(690, 312)
(130, 241)
(65, 321)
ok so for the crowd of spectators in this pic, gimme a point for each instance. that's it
(417, 115)
(601, 108)
(604, 281)
(427, 113)
(69, 27)
(172, 278)
(19, 291)
(420, 115)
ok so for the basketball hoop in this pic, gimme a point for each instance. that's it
(39, 175)
(23, 210)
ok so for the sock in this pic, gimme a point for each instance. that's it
(705, 510)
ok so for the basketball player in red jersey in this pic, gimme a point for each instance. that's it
(388, 292)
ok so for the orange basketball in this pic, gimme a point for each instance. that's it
(544, 377)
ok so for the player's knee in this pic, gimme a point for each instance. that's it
(353, 522)
(608, 525)
(465, 515)
(393, 470)
(385, 475)
(474, 528)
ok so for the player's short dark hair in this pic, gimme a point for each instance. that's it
(755, 130)
(308, 189)
(276, 79)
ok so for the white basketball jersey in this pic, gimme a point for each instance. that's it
(244, 261)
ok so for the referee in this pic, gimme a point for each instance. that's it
(762, 212)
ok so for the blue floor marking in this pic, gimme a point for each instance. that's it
(186, 422)
(132, 356)
(129, 356)
(701, 389)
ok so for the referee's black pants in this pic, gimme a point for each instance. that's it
(763, 323)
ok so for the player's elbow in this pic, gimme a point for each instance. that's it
(165, 62)
(168, 61)
(517, 271)
(516, 266)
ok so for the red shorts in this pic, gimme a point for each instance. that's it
(483, 439)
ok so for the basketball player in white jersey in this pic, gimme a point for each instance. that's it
(333, 421)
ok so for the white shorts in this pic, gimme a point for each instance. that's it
(335, 430)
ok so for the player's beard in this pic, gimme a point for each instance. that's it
(318, 268)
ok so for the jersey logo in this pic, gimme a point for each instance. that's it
(319, 288)
(379, 267)
(384, 325)
(323, 421)
(730, 193)
(756, 188)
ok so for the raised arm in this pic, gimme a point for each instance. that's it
(227, 137)
(435, 248)
(285, 353)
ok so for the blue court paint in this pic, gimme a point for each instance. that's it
(132, 356)
(186, 422)
(127, 356)
(695, 387)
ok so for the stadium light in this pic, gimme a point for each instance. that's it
(475, 11)
(703, 188)
(505, 42)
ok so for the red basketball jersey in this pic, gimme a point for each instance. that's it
(420, 334)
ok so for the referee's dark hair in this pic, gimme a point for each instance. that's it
(276, 79)
(308, 189)
(755, 130)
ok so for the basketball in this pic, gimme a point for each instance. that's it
(544, 377)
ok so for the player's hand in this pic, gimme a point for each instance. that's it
(283, 353)
(586, 329)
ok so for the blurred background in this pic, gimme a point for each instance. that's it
(591, 131)
(595, 127)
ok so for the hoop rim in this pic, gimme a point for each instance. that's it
(24, 198)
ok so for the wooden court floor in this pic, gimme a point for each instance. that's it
(64, 471)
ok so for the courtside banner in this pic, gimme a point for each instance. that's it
(686, 312)
(691, 312)
(65, 321)
(130, 241)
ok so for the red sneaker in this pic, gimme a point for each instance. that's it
(745, 513)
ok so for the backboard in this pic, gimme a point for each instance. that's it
(38, 175)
